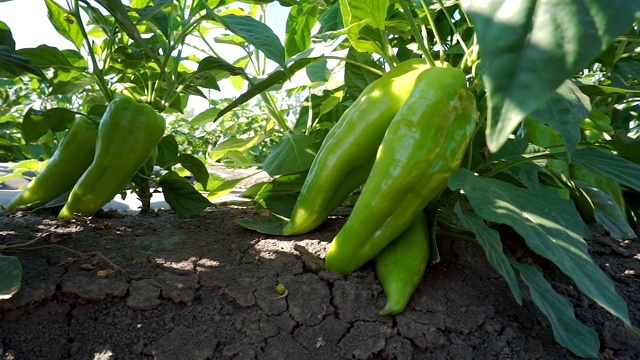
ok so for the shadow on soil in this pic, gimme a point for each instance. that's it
(205, 288)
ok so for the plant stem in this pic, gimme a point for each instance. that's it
(453, 26)
(432, 23)
(416, 33)
(96, 70)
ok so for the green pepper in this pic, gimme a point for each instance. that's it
(424, 144)
(346, 156)
(72, 157)
(401, 264)
(128, 134)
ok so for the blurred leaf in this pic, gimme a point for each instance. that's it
(11, 271)
(271, 224)
(46, 56)
(529, 47)
(12, 65)
(606, 212)
(205, 116)
(6, 38)
(183, 198)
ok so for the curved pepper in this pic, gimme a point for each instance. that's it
(401, 264)
(72, 157)
(424, 144)
(347, 154)
(128, 134)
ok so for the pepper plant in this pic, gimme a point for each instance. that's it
(554, 147)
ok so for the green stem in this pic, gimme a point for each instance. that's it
(432, 23)
(96, 70)
(416, 33)
(355, 63)
(453, 26)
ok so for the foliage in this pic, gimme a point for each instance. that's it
(567, 65)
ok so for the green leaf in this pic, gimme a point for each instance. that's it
(529, 47)
(257, 34)
(217, 186)
(568, 332)
(292, 154)
(331, 19)
(550, 225)
(45, 56)
(183, 198)
(356, 78)
(120, 14)
(271, 224)
(65, 23)
(205, 116)
(234, 144)
(37, 123)
(301, 19)
(606, 212)
(11, 278)
(564, 110)
(167, 151)
(195, 167)
(12, 65)
(365, 23)
(608, 164)
(489, 239)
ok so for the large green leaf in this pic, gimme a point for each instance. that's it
(550, 225)
(292, 154)
(529, 47)
(65, 23)
(606, 212)
(609, 165)
(365, 23)
(12, 65)
(563, 111)
(489, 239)
(257, 34)
(6, 38)
(183, 198)
(47, 56)
(37, 123)
(567, 331)
(196, 167)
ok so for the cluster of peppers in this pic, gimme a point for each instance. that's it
(94, 163)
(400, 140)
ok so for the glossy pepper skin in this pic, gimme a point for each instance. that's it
(128, 134)
(347, 154)
(72, 157)
(401, 264)
(424, 144)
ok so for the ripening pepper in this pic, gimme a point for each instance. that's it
(72, 157)
(128, 134)
(347, 154)
(424, 144)
(401, 264)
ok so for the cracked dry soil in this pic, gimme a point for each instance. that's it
(204, 288)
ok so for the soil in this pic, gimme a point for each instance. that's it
(205, 288)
